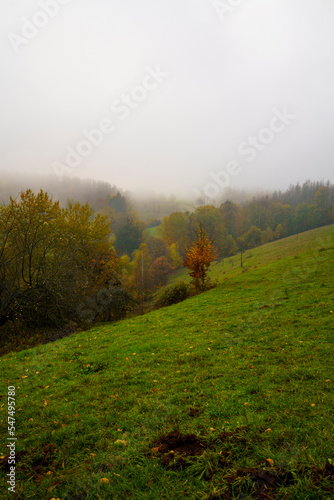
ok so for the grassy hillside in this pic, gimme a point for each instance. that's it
(308, 243)
(226, 395)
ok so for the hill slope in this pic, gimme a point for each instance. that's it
(188, 401)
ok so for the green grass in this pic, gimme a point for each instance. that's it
(152, 231)
(309, 243)
(252, 358)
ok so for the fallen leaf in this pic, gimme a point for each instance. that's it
(268, 430)
(270, 461)
(120, 441)
(104, 480)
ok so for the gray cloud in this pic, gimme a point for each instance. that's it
(225, 78)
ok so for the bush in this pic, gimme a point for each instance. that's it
(173, 294)
(107, 304)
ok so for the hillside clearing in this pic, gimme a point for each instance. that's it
(226, 395)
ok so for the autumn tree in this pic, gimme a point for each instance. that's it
(142, 272)
(199, 258)
(175, 229)
(279, 232)
(267, 235)
(230, 246)
(156, 247)
(253, 237)
(212, 221)
(50, 258)
(161, 270)
(242, 244)
(174, 256)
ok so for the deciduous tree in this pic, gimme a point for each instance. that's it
(199, 258)
(50, 258)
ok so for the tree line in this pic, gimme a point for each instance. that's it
(82, 263)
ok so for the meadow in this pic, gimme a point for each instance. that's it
(227, 395)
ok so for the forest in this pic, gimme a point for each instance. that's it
(87, 257)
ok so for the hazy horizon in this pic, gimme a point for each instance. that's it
(169, 97)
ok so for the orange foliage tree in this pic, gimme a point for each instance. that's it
(161, 269)
(199, 258)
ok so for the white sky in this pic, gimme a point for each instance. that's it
(226, 76)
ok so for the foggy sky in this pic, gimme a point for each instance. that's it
(181, 88)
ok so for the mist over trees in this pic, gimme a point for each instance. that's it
(234, 227)
(94, 260)
(63, 190)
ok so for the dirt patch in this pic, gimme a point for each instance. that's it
(193, 412)
(34, 462)
(263, 483)
(174, 448)
(258, 483)
(178, 451)
(319, 476)
(40, 460)
(4, 465)
(238, 437)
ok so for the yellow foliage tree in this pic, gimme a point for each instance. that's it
(50, 258)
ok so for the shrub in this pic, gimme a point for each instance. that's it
(107, 304)
(173, 294)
